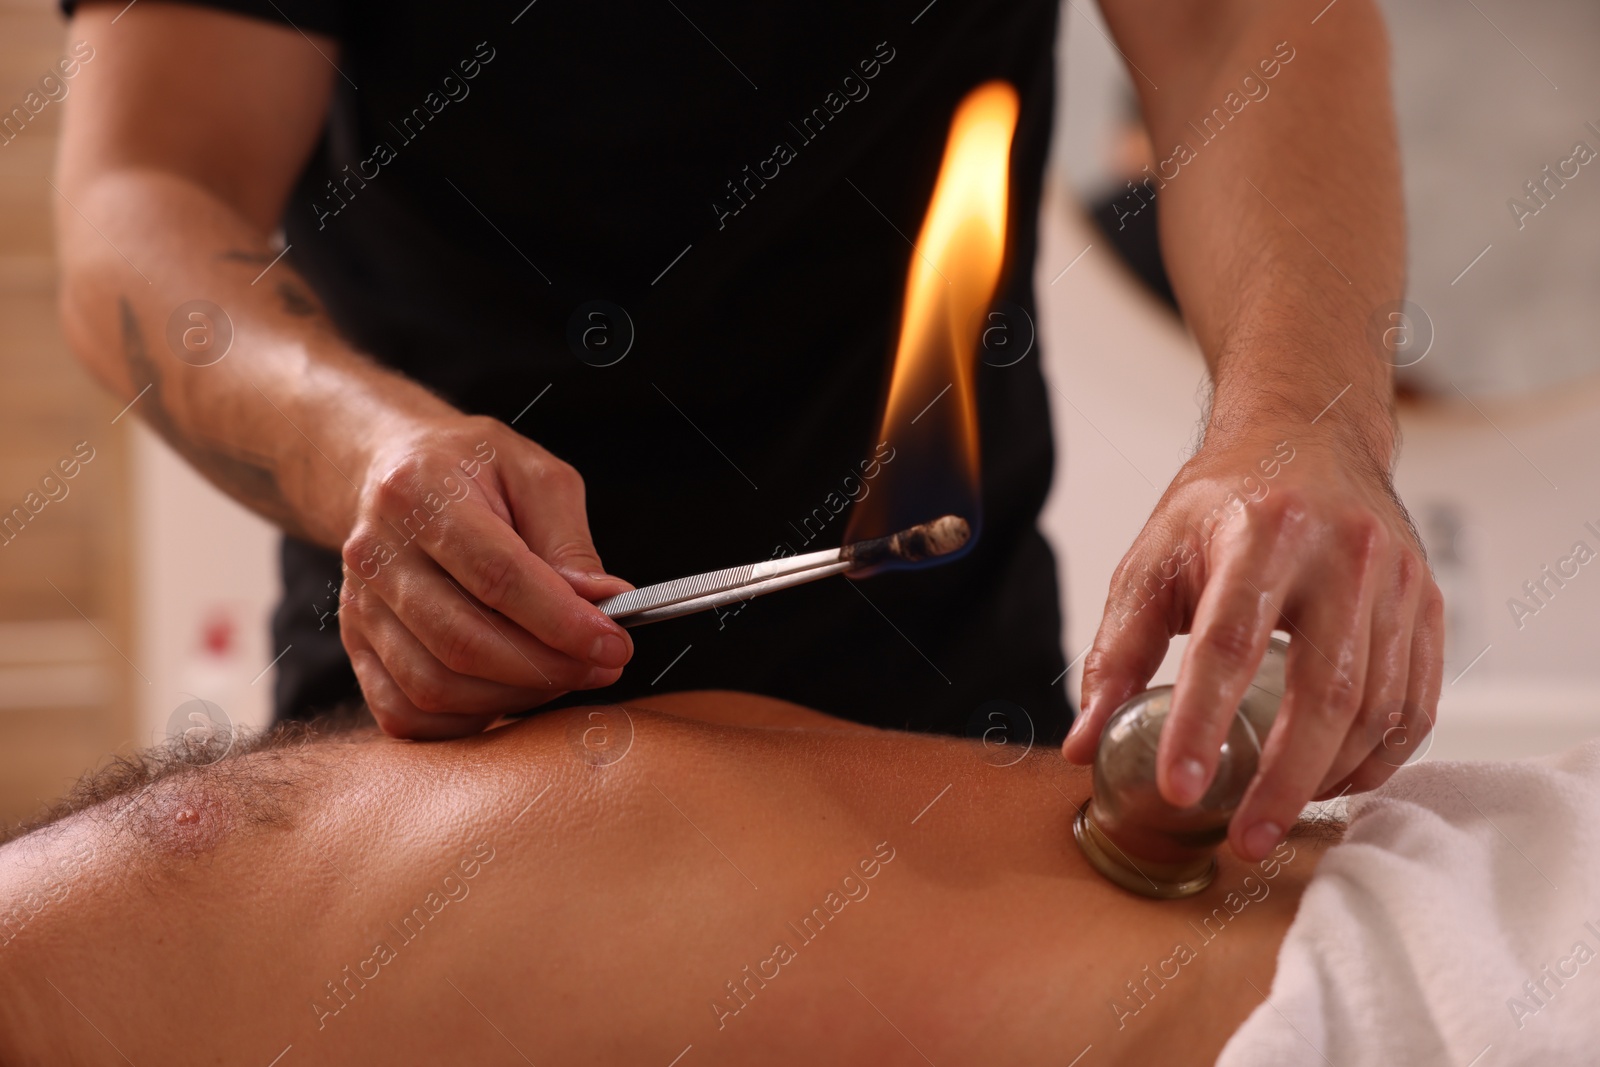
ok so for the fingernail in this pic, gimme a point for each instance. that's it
(1188, 782)
(599, 678)
(1260, 839)
(609, 651)
(602, 576)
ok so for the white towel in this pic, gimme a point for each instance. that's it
(1458, 923)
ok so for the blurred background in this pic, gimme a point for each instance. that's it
(136, 588)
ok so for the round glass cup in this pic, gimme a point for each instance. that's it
(1129, 833)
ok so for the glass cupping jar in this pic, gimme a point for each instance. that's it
(1133, 836)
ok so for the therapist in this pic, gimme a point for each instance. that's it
(504, 303)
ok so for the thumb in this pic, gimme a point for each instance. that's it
(1129, 646)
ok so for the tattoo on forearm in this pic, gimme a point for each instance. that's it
(249, 478)
(296, 301)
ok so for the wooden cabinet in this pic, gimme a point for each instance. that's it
(65, 687)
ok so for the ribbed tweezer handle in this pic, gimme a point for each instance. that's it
(656, 596)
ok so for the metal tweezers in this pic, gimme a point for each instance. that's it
(715, 589)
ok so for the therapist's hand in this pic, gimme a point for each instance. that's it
(468, 580)
(1289, 529)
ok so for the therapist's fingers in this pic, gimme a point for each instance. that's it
(1383, 706)
(1326, 676)
(1233, 623)
(448, 488)
(431, 686)
(396, 715)
(448, 507)
(1425, 677)
(1128, 647)
(463, 634)
(492, 563)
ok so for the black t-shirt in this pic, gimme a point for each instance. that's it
(491, 169)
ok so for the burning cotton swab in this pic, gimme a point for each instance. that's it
(700, 592)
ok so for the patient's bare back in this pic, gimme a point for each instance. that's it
(609, 883)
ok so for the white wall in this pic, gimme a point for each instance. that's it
(199, 560)
(1479, 116)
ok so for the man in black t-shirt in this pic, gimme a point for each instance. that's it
(471, 297)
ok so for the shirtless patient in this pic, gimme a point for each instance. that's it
(714, 876)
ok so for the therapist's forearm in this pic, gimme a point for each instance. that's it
(1284, 234)
(288, 422)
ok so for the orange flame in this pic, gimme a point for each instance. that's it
(931, 417)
